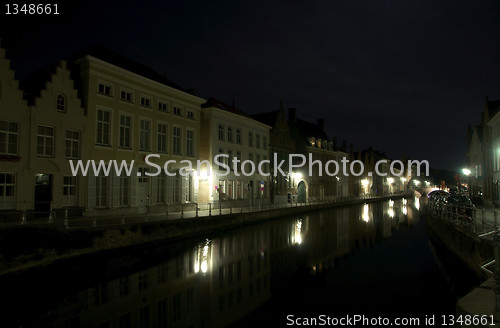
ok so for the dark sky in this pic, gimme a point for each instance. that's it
(405, 77)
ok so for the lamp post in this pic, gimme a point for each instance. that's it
(467, 173)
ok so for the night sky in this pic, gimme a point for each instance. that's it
(404, 77)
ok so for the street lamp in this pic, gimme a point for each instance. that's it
(467, 173)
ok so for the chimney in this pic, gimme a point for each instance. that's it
(321, 124)
(292, 115)
(334, 143)
(344, 146)
(351, 149)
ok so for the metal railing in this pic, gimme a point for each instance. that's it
(72, 217)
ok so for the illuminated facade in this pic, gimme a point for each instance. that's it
(227, 130)
(132, 112)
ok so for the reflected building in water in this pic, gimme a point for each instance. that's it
(216, 282)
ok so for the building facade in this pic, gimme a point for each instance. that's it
(133, 112)
(228, 131)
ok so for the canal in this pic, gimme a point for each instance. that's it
(373, 259)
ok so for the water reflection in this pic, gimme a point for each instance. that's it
(223, 278)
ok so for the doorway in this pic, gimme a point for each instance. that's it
(43, 194)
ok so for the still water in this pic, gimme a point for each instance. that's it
(372, 259)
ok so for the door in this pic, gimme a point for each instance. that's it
(301, 192)
(43, 194)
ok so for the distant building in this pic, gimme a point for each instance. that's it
(483, 155)
(312, 141)
(281, 143)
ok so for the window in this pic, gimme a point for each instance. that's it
(176, 141)
(230, 134)
(124, 186)
(61, 103)
(125, 128)
(144, 317)
(103, 127)
(144, 134)
(189, 142)
(104, 89)
(264, 143)
(163, 106)
(126, 96)
(250, 139)
(69, 188)
(190, 115)
(45, 141)
(143, 281)
(125, 321)
(162, 313)
(101, 191)
(146, 102)
(238, 136)
(124, 286)
(177, 307)
(8, 138)
(72, 144)
(162, 138)
(190, 301)
(257, 140)
(7, 188)
(177, 111)
(160, 186)
(221, 132)
(142, 174)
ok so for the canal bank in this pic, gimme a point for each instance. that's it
(26, 249)
(466, 244)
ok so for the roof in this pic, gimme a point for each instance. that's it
(493, 107)
(128, 64)
(268, 118)
(212, 102)
(308, 129)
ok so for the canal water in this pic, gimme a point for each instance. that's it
(372, 259)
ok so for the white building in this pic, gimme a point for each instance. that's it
(227, 130)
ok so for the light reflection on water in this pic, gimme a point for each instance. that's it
(221, 278)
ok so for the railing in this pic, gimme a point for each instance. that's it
(71, 217)
(483, 225)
